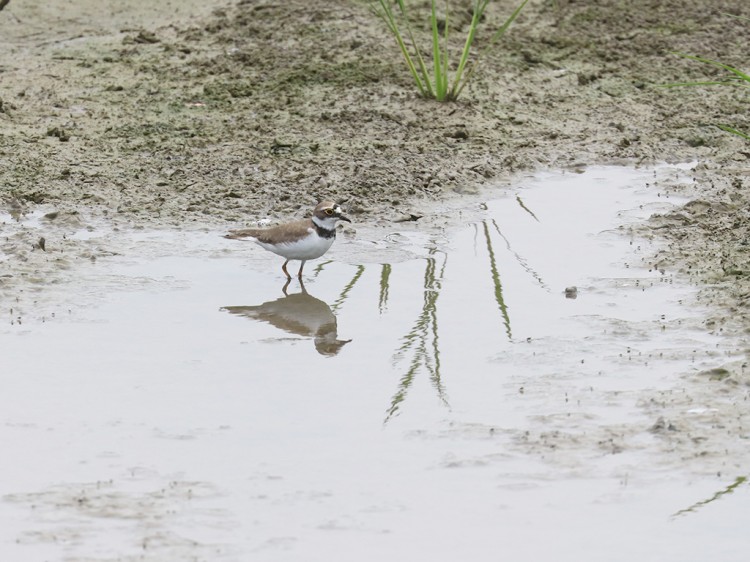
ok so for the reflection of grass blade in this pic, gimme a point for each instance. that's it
(403, 388)
(521, 260)
(419, 326)
(345, 292)
(424, 354)
(385, 275)
(496, 282)
(739, 481)
(320, 267)
(525, 208)
(435, 370)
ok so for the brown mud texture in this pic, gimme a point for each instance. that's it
(151, 115)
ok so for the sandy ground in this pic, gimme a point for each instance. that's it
(191, 114)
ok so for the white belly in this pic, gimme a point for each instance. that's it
(308, 248)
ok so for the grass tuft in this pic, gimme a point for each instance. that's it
(438, 84)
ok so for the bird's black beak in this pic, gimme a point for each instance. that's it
(341, 215)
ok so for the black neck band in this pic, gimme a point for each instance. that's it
(324, 232)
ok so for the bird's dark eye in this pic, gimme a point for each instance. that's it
(329, 212)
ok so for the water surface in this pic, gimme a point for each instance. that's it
(427, 394)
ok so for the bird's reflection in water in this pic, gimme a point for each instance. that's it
(300, 314)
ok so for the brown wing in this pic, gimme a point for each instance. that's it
(277, 234)
(243, 233)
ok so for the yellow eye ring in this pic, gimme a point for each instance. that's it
(329, 212)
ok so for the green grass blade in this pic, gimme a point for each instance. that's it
(708, 83)
(438, 84)
(437, 67)
(734, 131)
(499, 33)
(717, 64)
(426, 82)
(423, 71)
(445, 51)
(479, 7)
(737, 17)
(386, 14)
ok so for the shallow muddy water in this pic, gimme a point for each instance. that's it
(476, 391)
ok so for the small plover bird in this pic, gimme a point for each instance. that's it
(303, 240)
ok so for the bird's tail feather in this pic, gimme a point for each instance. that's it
(239, 234)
